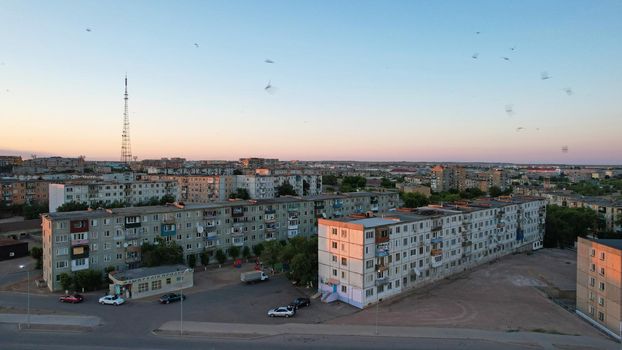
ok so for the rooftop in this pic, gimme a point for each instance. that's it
(20, 225)
(147, 271)
(613, 243)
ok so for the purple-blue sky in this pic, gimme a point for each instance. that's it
(361, 80)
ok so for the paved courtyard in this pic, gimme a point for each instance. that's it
(505, 295)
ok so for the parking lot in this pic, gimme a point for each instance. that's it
(506, 295)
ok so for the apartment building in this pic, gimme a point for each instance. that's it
(74, 241)
(599, 283)
(447, 178)
(19, 192)
(91, 192)
(363, 260)
(265, 186)
(200, 188)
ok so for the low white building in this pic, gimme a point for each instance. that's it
(148, 281)
(363, 260)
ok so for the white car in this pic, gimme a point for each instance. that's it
(283, 311)
(111, 300)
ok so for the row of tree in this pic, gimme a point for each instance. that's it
(28, 211)
(75, 206)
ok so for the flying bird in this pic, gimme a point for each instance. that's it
(519, 128)
(564, 149)
(537, 129)
(513, 48)
(267, 60)
(477, 33)
(506, 58)
(88, 29)
(196, 45)
(475, 55)
(568, 91)
(509, 109)
(545, 76)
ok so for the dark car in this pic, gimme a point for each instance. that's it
(300, 302)
(74, 298)
(171, 297)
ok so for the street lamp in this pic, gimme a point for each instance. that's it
(181, 303)
(377, 305)
(28, 293)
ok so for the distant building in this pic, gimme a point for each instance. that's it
(12, 249)
(253, 163)
(412, 188)
(20, 192)
(599, 283)
(108, 192)
(363, 260)
(448, 178)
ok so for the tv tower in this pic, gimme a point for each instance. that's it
(126, 146)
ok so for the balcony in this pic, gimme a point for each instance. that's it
(292, 226)
(436, 252)
(437, 261)
(132, 221)
(467, 244)
(436, 228)
(381, 267)
(382, 281)
(337, 205)
(210, 214)
(76, 226)
(132, 259)
(437, 240)
(382, 251)
(75, 242)
(212, 236)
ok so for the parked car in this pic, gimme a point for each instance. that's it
(73, 298)
(282, 311)
(171, 297)
(111, 300)
(300, 302)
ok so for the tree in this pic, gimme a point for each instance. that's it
(386, 183)
(107, 271)
(301, 254)
(88, 280)
(414, 200)
(330, 180)
(66, 281)
(494, 191)
(234, 252)
(37, 254)
(246, 252)
(192, 261)
(352, 183)
(72, 206)
(167, 198)
(305, 187)
(271, 253)
(286, 189)
(237, 172)
(563, 225)
(471, 193)
(32, 211)
(221, 257)
(257, 249)
(204, 258)
(161, 253)
(240, 193)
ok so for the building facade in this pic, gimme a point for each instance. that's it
(74, 241)
(20, 192)
(93, 192)
(599, 283)
(361, 261)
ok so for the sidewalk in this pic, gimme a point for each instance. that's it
(546, 341)
(54, 321)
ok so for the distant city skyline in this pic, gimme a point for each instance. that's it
(477, 81)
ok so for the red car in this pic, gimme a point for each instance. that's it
(75, 298)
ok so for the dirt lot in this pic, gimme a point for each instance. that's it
(505, 295)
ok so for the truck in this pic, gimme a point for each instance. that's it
(253, 276)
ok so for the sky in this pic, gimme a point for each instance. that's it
(351, 80)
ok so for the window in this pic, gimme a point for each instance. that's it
(156, 285)
(334, 231)
(344, 233)
(334, 258)
(592, 281)
(602, 271)
(62, 251)
(601, 316)
(369, 292)
(369, 264)
(601, 286)
(369, 235)
(61, 264)
(143, 287)
(602, 255)
(593, 267)
(601, 301)
(344, 289)
(334, 272)
(334, 245)
(344, 261)
(593, 252)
